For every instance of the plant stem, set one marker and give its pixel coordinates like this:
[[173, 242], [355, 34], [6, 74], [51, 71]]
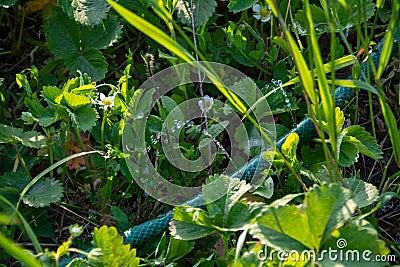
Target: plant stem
[[50, 148], [103, 123], [225, 239], [78, 135], [66, 148], [21, 160], [21, 29]]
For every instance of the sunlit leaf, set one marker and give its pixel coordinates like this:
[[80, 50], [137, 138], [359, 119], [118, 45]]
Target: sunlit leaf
[[348, 153], [325, 209], [364, 193], [368, 145], [355, 238], [191, 223], [76, 101], [90, 12], [114, 252]]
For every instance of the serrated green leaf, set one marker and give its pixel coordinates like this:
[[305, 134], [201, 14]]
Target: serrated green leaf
[[90, 12], [10, 193], [47, 117], [67, 8], [202, 9], [14, 179], [101, 36], [358, 236], [79, 45], [289, 147], [90, 61], [229, 191], [62, 35], [84, 118], [52, 94], [177, 249], [43, 193], [364, 193], [76, 101], [239, 5], [84, 89], [354, 140], [348, 153], [325, 209], [191, 223], [71, 84], [115, 253], [239, 216], [368, 145], [7, 132], [22, 81], [266, 189], [33, 139], [340, 119]]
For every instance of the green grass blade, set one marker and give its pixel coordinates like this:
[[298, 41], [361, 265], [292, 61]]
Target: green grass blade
[[324, 89], [394, 133], [14, 250], [152, 31], [26, 225], [388, 45], [304, 72], [355, 84], [301, 65], [388, 115], [338, 64]]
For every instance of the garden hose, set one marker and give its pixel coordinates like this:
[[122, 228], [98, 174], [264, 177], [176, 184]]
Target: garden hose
[[141, 234]]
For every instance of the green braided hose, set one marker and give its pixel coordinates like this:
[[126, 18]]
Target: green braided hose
[[141, 234]]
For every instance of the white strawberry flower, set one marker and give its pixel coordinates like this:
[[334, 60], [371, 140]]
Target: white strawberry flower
[[107, 101], [262, 13], [206, 103]]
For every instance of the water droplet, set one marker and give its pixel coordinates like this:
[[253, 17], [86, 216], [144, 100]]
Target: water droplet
[[139, 115]]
